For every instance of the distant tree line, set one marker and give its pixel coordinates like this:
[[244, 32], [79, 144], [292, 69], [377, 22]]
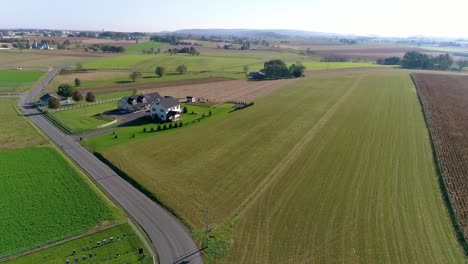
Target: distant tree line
[[417, 60], [348, 41], [389, 61], [334, 58], [192, 51], [105, 48], [171, 39]]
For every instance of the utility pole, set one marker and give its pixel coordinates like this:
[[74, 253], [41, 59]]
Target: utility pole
[[207, 230]]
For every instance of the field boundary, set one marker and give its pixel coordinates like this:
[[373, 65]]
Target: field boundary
[[442, 185], [295, 151]]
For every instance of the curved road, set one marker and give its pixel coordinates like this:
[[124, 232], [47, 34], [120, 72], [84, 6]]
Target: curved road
[[171, 240]]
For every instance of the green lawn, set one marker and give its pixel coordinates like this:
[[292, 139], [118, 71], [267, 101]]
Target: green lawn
[[138, 48], [125, 135], [84, 118], [18, 81], [126, 248], [44, 199], [334, 169], [15, 130]]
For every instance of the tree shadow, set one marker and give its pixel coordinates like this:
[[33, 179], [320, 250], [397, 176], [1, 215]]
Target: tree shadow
[[123, 82]]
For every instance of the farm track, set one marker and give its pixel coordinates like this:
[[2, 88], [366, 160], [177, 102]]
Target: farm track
[[445, 102], [171, 240], [297, 150]]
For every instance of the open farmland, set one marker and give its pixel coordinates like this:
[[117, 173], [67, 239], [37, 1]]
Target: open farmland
[[122, 244], [18, 81], [15, 131], [445, 102], [38, 60], [334, 168], [45, 201]]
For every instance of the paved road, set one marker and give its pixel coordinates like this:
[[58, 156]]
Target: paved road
[[171, 240]]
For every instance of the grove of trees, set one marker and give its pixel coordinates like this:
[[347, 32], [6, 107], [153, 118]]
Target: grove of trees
[[417, 60], [181, 69], [275, 69]]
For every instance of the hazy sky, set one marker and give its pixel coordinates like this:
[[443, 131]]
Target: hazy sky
[[388, 18]]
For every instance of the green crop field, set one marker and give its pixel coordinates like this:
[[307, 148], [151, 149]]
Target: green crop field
[[334, 169], [124, 249], [138, 48], [18, 81], [15, 131], [211, 61], [44, 199], [134, 132], [84, 118]]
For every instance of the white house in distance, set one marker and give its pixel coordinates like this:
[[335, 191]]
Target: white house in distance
[[137, 103], [166, 109]]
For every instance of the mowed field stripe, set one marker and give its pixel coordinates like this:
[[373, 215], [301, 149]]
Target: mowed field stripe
[[364, 190], [289, 158]]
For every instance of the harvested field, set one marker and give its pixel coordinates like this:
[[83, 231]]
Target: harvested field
[[237, 90], [445, 102]]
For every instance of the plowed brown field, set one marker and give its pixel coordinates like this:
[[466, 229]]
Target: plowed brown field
[[237, 90], [445, 103]]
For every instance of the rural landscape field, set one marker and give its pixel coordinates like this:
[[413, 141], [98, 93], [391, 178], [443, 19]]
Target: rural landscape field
[[179, 133]]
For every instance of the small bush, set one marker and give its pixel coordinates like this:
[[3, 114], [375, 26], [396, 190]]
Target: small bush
[[159, 128], [152, 129], [164, 127], [144, 130]]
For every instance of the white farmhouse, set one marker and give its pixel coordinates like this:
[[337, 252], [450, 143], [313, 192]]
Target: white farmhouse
[[166, 109]]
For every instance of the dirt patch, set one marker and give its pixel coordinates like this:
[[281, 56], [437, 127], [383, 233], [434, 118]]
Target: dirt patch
[[233, 90], [445, 102]]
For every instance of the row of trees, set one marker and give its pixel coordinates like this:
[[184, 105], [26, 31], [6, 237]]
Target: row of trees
[[171, 39], [159, 71], [389, 61], [275, 69], [192, 51]]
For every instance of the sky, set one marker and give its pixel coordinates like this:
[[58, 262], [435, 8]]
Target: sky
[[360, 17]]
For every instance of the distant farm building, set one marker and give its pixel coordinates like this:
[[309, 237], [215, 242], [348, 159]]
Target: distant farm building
[[257, 75], [191, 99], [166, 109], [137, 103], [44, 100], [40, 45]]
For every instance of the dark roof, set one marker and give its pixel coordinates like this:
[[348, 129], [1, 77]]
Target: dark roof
[[47, 96], [142, 100], [172, 113], [168, 102]]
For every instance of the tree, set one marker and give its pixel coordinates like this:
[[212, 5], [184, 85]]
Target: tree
[[77, 96], [65, 90], [90, 97], [462, 64], [185, 110], [275, 69], [77, 82], [297, 70], [245, 69], [54, 103], [78, 66], [135, 75], [181, 69], [160, 71]]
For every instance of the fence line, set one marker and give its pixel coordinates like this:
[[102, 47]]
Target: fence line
[[76, 106]]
